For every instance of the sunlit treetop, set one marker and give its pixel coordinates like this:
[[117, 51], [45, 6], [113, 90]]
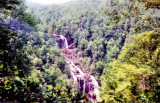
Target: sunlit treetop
[[151, 3]]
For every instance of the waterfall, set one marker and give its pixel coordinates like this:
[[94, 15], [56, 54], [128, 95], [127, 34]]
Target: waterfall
[[96, 90], [80, 71], [80, 76], [72, 68], [74, 77], [66, 43], [61, 41], [86, 82]]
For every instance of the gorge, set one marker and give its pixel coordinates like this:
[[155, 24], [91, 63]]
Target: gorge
[[87, 83]]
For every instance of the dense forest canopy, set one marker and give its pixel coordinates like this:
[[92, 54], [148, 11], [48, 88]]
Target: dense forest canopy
[[119, 42], [98, 29]]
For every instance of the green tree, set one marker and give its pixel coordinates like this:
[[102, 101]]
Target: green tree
[[15, 66], [151, 3], [83, 44], [132, 77], [51, 26], [99, 67], [144, 50]]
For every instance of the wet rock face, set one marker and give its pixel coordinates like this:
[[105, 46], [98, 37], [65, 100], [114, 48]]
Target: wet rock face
[[69, 39], [61, 41]]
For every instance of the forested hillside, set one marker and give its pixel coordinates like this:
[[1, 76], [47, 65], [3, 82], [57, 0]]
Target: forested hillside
[[118, 42], [98, 28], [31, 67]]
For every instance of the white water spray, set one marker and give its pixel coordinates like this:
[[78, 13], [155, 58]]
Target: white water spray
[[66, 43], [74, 77], [96, 90]]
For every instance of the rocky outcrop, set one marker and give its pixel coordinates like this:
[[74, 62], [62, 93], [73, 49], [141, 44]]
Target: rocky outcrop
[[61, 41]]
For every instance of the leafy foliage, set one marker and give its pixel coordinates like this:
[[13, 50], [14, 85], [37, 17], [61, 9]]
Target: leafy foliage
[[145, 50], [132, 77], [31, 67], [151, 3], [15, 65]]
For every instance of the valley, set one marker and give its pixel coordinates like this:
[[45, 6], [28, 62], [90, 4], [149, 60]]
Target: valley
[[80, 51]]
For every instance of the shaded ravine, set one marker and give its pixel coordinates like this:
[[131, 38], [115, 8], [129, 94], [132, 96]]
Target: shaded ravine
[[87, 83]]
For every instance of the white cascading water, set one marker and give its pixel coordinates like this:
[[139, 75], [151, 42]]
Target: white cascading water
[[96, 90], [74, 77], [62, 41], [66, 43], [78, 75], [80, 71], [72, 68]]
